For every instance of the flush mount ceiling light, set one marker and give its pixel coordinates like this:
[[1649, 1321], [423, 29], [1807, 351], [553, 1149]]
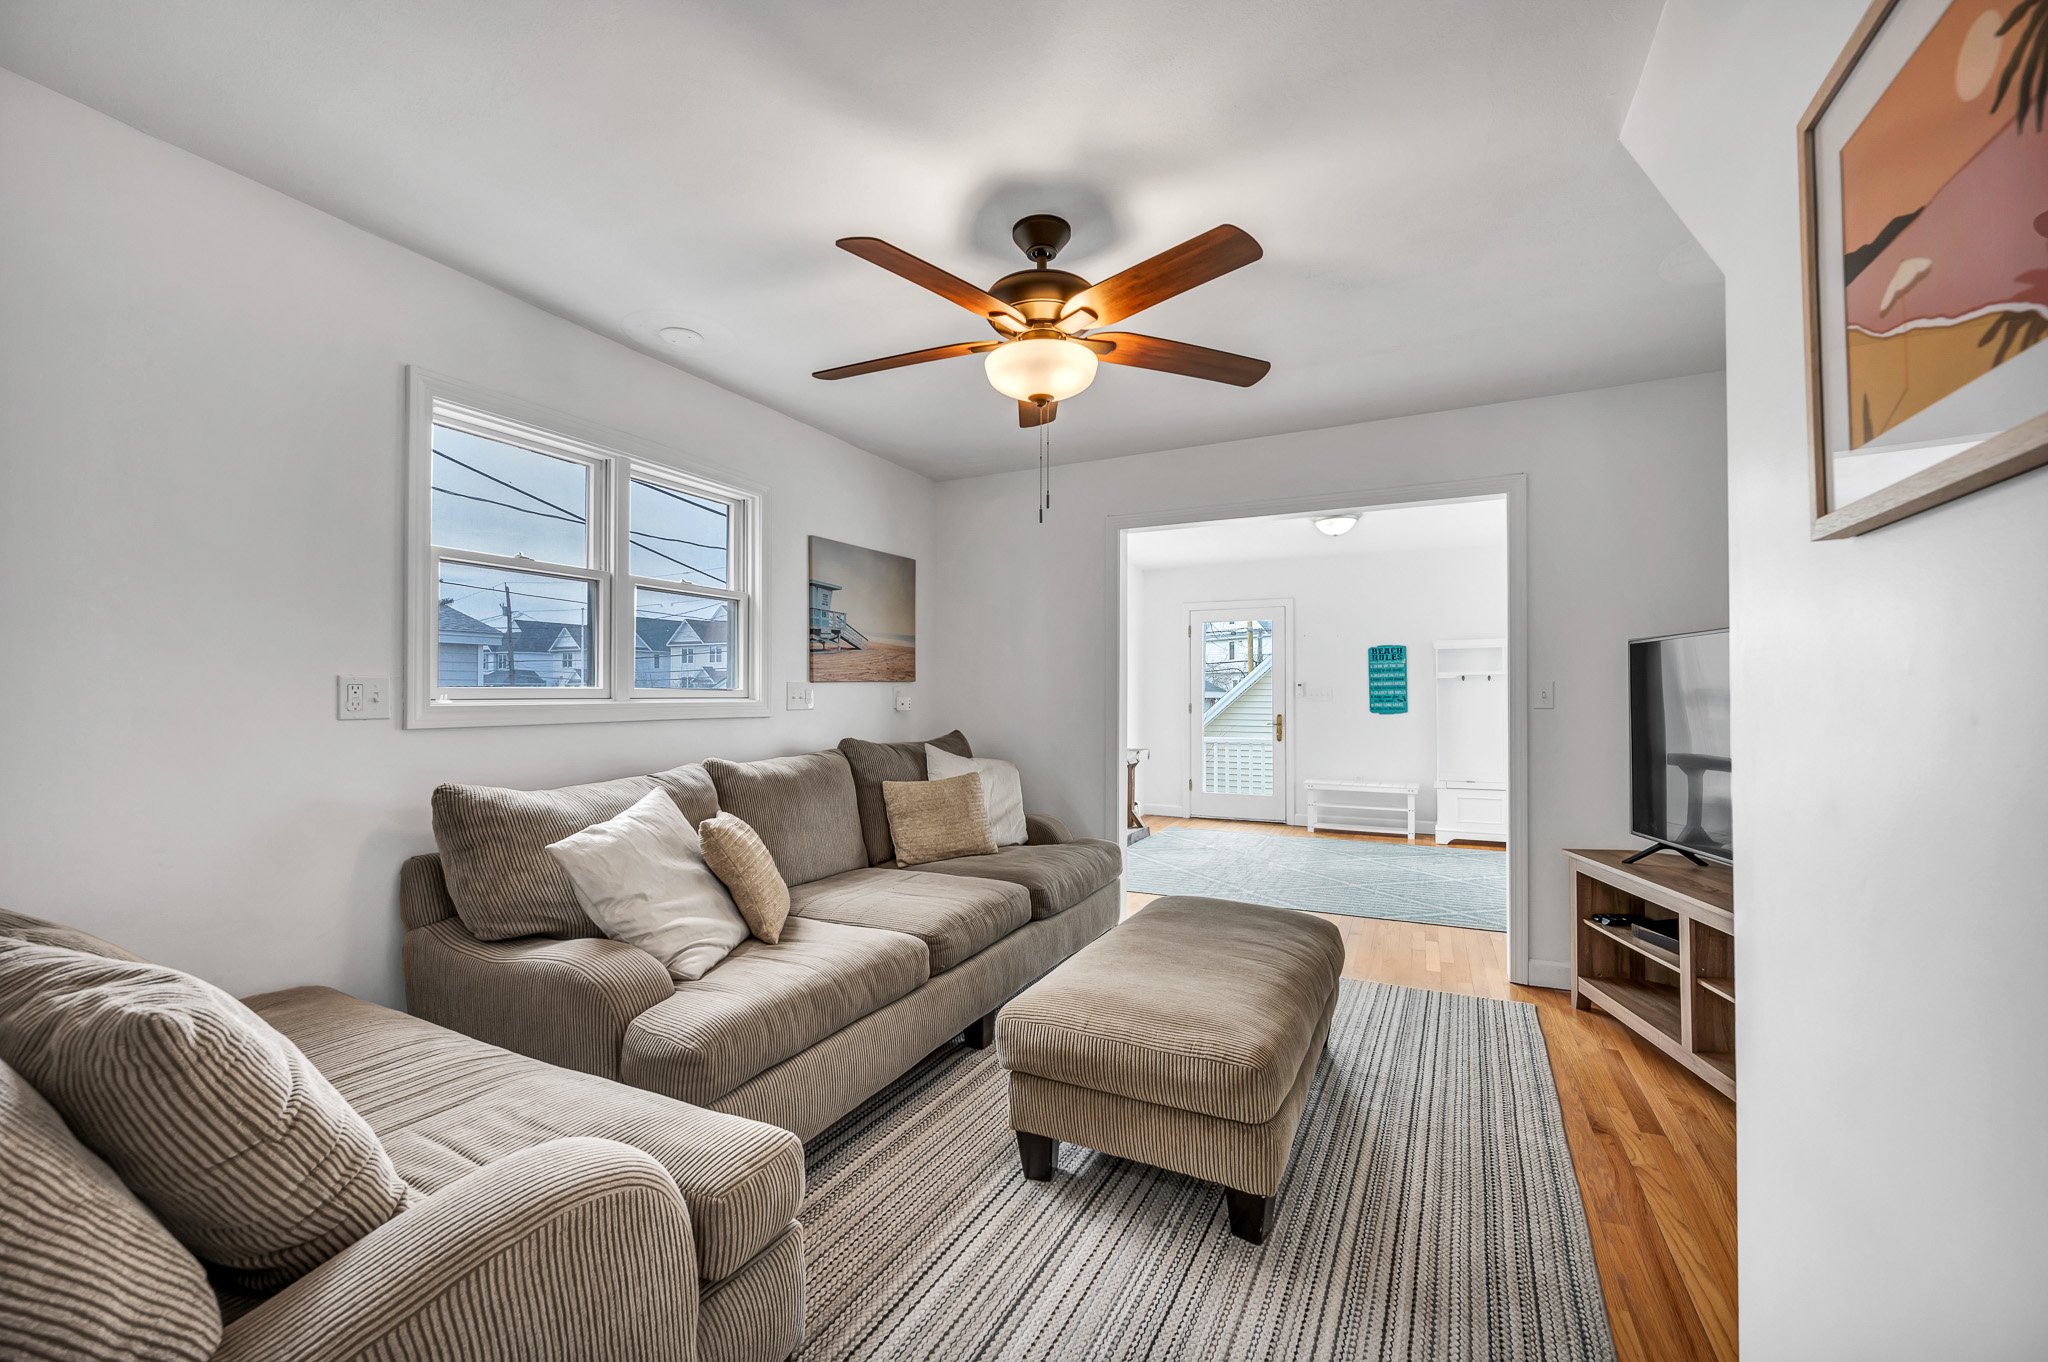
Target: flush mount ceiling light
[[1334, 525], [680, 335], [1045, 318]]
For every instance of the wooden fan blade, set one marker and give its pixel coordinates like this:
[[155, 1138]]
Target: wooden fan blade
[[1208, 256], [927, 275], [1031, 416], [875, 366], [1178, 357]]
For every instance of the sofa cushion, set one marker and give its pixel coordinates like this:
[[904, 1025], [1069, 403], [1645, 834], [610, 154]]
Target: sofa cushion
[[445, 1105], [739, 858], [803, 808], [242, 1148], [955, 917], [1057, 876], [763, 1004], [86, 1271], [694, 793], [22, 927], [937, 820], [875, 762], [494, 853], [641, 877]]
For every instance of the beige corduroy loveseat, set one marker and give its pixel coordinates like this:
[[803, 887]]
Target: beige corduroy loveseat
[[876, 967], [305, 1177]]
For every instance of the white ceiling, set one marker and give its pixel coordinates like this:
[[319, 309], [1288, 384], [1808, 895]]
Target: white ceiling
[[1478, 523], [1447, 216]]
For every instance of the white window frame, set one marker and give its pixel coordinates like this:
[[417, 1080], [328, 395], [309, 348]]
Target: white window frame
[[615, 461]]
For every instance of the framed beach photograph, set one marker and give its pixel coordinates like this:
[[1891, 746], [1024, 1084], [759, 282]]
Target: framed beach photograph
[[1924, 173], [863, 613]]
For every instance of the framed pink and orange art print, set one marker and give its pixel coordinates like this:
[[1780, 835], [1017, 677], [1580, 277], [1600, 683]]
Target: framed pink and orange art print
[[1924, 171]]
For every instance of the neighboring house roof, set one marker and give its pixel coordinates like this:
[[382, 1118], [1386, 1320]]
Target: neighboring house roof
[[522, 677], [541, 636], [656, 635], [453, 621], [1238, 691], [829, 586]]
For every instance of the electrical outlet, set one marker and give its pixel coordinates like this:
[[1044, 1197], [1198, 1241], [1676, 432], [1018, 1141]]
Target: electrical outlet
[[902, 700], [799, 695], [362, 697], [1546, 695]]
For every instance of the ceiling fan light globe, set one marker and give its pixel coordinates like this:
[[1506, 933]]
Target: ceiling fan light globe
[[1027, 370], [1334, 525]]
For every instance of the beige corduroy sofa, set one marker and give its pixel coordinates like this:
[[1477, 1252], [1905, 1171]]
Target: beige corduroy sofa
[[546, 1214], [876, 968]]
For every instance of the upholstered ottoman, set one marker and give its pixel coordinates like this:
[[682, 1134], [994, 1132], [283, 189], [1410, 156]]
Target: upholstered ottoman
[[1184, 1038]]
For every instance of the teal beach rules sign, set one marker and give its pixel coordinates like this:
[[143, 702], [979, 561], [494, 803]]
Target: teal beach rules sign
[[1386, 666]]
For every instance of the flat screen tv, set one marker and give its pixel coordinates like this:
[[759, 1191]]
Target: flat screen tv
[[1678, 744]]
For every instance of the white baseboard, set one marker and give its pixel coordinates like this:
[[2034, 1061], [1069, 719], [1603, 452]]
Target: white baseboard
[[1163, 810], [1550, 974]]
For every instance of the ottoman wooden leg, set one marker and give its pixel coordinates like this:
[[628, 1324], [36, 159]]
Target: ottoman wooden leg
[[1250, 1216], [981, 1032], [1040, 1153]]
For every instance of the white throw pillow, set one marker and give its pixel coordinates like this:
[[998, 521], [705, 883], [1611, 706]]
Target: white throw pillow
[[1002, 789], [642, 879]]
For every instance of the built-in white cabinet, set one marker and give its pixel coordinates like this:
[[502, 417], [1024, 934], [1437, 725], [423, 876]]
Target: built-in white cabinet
[[1471, 739]]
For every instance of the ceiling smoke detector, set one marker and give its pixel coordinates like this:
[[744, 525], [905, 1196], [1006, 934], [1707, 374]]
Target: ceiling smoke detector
[[1334, 525], [681, 335]]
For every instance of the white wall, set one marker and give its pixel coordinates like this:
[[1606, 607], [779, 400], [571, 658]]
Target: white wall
[[1342, 606], [201, 497], [1627, 537], [1892, 887]]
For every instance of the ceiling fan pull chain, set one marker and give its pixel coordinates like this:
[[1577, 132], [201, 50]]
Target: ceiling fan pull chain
[[1042, 497]]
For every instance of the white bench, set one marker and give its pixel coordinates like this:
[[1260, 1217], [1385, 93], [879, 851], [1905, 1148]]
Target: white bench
[[1395, 794]]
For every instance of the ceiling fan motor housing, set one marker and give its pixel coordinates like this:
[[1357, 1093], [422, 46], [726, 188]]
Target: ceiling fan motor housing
[[1038, 295]]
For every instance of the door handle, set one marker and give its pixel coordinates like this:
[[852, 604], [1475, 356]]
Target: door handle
[[1279, 728]]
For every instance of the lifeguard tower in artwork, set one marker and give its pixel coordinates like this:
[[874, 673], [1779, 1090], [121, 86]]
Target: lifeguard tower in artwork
[[830, 633]]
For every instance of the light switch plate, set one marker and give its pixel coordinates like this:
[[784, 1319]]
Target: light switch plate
[[1546, 695], [799, 695], [902, 700], [362, 697]]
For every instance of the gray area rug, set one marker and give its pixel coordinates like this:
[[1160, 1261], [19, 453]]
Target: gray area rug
[[1429, 1212], [1444, 886]]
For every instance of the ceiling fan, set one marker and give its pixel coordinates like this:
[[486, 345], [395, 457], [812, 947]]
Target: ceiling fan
[[1045, 318]]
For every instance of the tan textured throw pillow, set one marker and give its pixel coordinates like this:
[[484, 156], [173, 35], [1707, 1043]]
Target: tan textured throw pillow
[[737, 856], [213, 1118], [937, 820]]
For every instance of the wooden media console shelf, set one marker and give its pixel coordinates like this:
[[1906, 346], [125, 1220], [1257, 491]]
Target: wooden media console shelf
[[1682, 1002]]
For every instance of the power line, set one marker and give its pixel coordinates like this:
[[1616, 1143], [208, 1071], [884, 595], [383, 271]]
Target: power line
[[713, 507], [523, 510], [502, 483]]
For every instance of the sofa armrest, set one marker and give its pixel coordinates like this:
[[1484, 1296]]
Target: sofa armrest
[[1043, 830], [573, 1249], [567, 1002]]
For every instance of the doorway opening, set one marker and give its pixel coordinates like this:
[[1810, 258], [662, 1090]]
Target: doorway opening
[[1325, 721]]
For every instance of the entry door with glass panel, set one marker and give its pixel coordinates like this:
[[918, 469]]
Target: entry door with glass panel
[[1237, 713]]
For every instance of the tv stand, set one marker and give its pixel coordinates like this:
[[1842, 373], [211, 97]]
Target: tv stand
[[1664, 846], [1682, 1002]]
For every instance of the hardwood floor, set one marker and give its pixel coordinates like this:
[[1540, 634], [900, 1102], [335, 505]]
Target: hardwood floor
[[1653, 1147]]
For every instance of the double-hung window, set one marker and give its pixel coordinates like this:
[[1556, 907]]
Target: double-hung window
[[580, 563]]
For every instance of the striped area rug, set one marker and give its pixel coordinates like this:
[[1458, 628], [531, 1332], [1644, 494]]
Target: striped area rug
[[1443, 886], [1430, 1212]]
